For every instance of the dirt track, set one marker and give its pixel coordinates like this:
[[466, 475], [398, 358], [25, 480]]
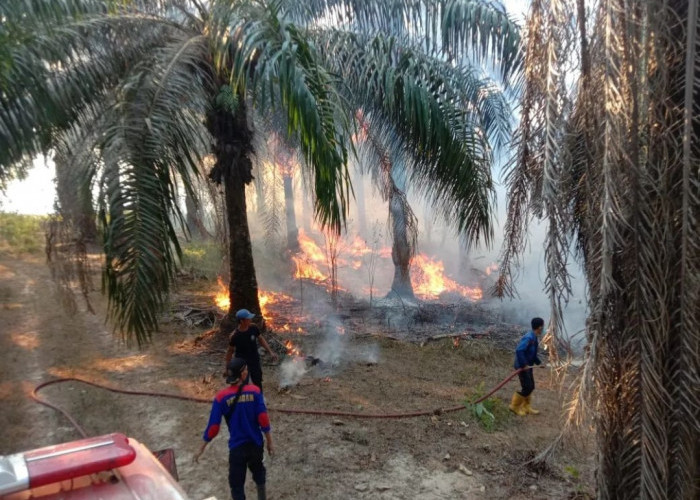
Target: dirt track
[[317, 457]]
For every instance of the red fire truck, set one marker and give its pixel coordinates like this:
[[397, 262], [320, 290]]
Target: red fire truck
[[110, 467]]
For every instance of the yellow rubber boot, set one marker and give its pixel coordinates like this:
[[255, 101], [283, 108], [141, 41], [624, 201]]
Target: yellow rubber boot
[[529, 409], [516, 404]]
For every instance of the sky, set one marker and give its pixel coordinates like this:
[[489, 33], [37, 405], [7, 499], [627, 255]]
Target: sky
[[34, 195]]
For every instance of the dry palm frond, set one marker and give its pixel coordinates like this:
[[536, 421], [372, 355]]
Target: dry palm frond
[[536, 174], [628, 191]]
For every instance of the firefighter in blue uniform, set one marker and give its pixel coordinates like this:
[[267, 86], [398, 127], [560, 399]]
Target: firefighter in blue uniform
[[526, 357], [243, 407]]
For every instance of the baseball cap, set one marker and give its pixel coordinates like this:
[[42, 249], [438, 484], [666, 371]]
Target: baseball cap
[[234, 369], [244, 314]]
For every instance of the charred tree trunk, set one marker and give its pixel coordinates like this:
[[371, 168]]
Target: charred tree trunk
[[233, 168], [292, 230]]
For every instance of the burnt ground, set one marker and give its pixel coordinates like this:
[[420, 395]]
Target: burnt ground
[[381, 364]]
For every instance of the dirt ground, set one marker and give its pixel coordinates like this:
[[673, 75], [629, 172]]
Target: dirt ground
[[443, 456]]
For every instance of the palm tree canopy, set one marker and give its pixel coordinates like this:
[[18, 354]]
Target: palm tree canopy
[[133, 80]]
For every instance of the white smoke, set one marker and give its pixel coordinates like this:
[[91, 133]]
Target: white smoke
[[366, 354], [291, 371], [334, 342]]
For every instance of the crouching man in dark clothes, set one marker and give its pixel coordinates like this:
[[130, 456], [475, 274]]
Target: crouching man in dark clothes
[[525, 357], [243, 408]]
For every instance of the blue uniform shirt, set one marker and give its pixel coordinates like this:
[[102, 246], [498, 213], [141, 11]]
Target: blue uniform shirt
[[526, 352], [248, 420]]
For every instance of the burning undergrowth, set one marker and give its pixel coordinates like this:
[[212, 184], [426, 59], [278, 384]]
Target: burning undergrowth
[[318, 339], [314, 319], [328, 348]]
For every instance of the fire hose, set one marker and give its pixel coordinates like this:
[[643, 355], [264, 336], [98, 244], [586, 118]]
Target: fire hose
[[328, 413]]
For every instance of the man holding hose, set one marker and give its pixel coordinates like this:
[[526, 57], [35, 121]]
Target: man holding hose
[[526, 357]]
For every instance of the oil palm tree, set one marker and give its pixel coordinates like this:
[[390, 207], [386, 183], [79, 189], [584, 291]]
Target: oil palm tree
[[167, 82], [395, 168], [615, 171]]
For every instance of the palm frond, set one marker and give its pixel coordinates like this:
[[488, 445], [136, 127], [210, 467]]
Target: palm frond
[[157, 132], [468, 30], [436, 112], [273, 202], [685, 372], [60, 62], [280, 67]]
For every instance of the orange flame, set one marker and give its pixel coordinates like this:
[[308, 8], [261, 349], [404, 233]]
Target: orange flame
[[292, 350], [307, 263], [491, 269], [429, 280], [307, 270], [268, 299], [221, 299]]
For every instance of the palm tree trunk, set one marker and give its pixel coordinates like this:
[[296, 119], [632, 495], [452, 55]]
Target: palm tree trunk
[[645, 322], [75, 199], [359, 187], [194, 218], [233, 168], [292, 230], [401, 253], [307, 213]]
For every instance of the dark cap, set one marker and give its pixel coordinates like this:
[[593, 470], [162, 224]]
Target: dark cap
[[234, 369]]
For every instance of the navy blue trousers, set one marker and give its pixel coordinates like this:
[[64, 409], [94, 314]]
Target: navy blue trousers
[[527, 382]]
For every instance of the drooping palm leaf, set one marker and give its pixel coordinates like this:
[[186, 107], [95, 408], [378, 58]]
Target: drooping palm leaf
[[154, 137], [476, 29], [286, 72], [441, 114]]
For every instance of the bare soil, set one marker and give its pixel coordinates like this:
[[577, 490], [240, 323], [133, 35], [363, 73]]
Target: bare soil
[[444, 456]]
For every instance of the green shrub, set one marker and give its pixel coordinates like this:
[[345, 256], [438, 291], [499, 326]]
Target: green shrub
[[21, 233], [572, 471], [491, 413], [202, 257]]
